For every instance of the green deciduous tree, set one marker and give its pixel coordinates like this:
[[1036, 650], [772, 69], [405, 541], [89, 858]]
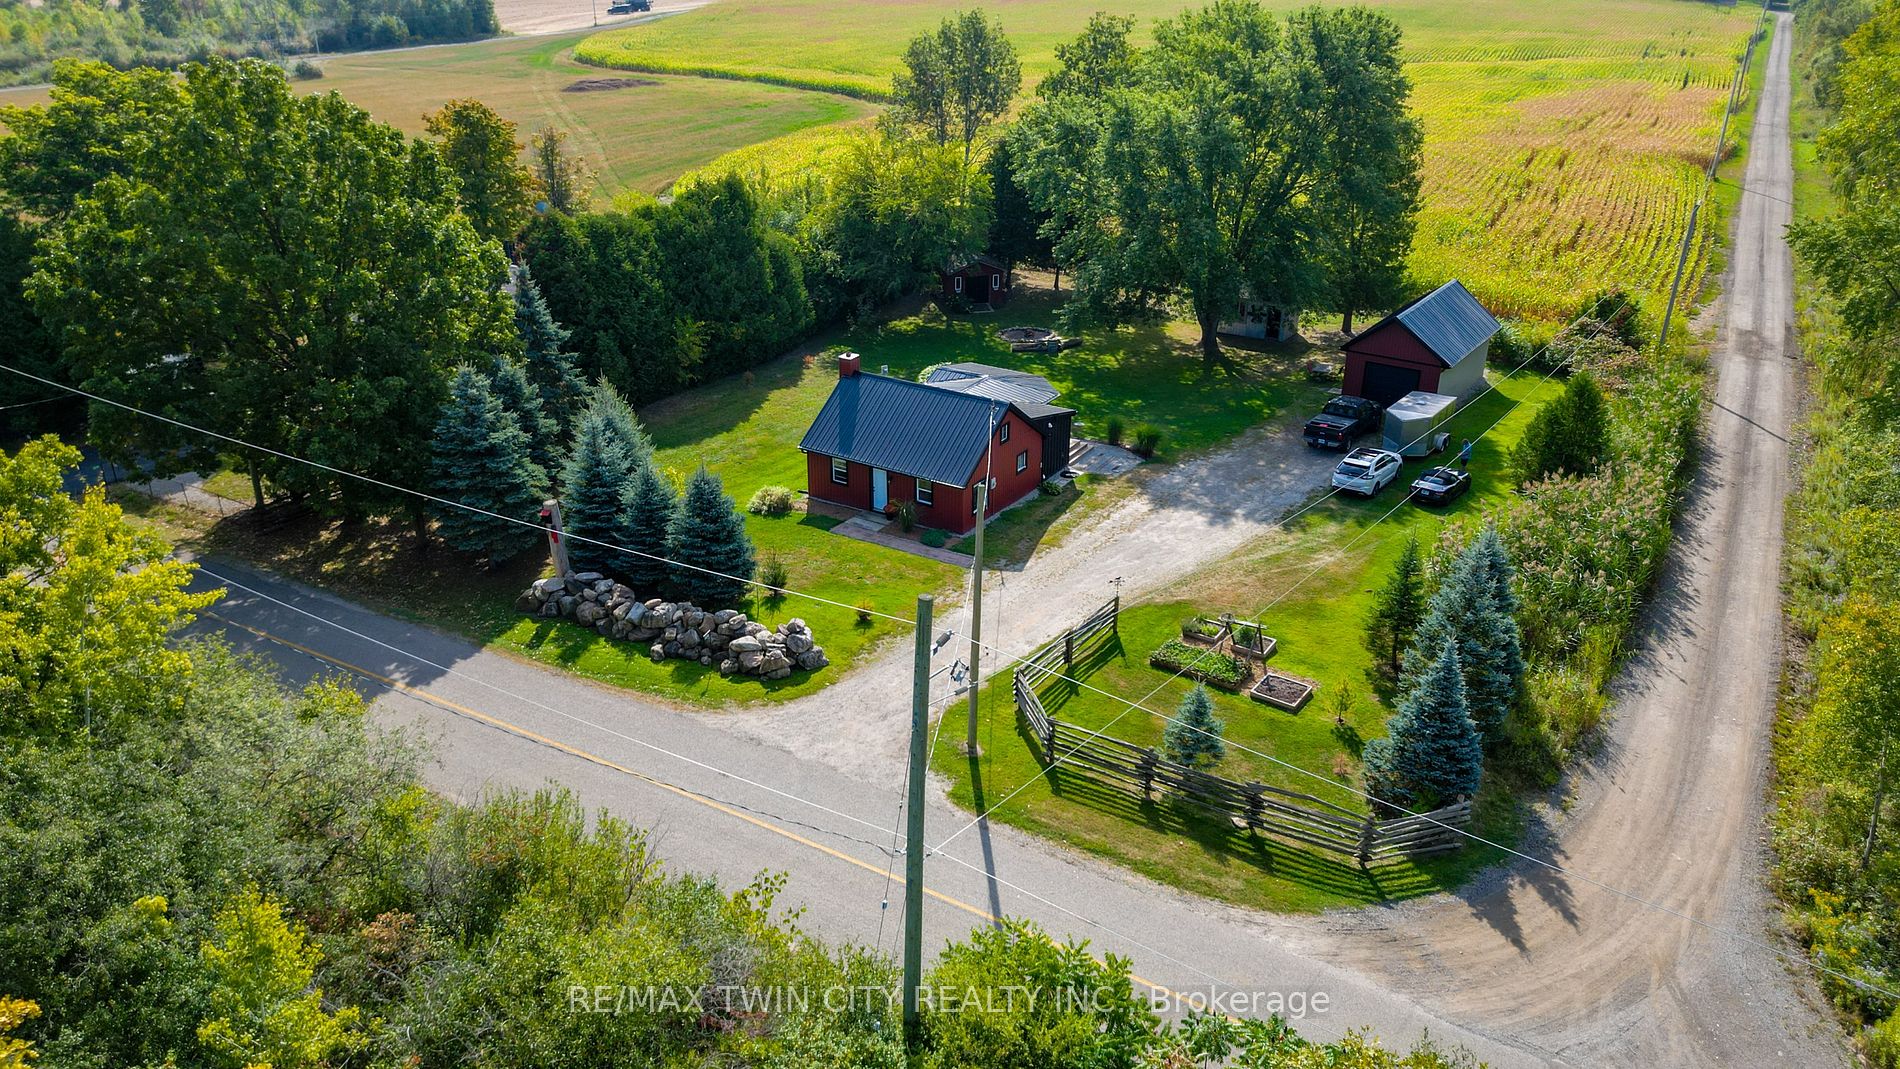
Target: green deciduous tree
[[1432, 751], [895, 211], [283, 269], [1069, 1009], [712, 554], [265, 1011], [483, 459], [646, 518], [958, 80], [1397, 611], [1569, 435], [1100, 59], [1368, 207], [88, 606], [480, 149], [559, 177], [1203, 178], [1193, 737], [89, 128]]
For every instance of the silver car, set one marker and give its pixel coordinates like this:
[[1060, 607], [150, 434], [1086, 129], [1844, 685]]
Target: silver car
[[1367, 471]]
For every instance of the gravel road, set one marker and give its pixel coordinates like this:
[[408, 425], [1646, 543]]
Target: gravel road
[[1672, 809]]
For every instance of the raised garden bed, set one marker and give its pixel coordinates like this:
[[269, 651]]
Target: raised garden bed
[[1217, 670], [1247, 639], [1282, 691]]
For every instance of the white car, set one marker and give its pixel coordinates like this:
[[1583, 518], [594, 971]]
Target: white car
[[1367, 471]]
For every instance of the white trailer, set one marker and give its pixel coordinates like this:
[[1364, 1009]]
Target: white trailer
[[1414, 423]]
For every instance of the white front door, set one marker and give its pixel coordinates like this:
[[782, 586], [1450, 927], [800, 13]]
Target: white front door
[[880, 489]]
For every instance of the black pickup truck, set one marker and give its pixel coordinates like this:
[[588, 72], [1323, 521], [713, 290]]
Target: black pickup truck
[[1342, 420]]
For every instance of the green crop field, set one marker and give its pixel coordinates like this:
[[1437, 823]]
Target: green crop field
[[1563, 139], [638, 137]]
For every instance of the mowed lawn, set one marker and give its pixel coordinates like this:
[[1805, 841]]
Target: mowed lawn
[[1563, 138], [1311, 585]]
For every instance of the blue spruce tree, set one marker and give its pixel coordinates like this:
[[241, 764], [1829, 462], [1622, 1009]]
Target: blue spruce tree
[[553, 371], [645, 518], [1468, 613], [1193, 737], [480, 457], [1432, 752], [712, 554], [594, 482], [520, 396], [604, 403]]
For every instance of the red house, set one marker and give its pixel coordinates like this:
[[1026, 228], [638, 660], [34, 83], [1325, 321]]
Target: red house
[[1437, 343], [880, 441], [977, 279]]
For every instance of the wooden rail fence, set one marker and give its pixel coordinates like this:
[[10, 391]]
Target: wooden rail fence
[[1253, 807]]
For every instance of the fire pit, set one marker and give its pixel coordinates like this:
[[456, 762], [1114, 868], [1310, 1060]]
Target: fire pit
[[1032, 339]]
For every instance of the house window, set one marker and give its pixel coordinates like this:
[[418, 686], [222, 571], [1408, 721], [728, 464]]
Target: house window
[[959, 284], [1022, 462], [840, 471], [996, 281], [926, 493], [1003, 434]]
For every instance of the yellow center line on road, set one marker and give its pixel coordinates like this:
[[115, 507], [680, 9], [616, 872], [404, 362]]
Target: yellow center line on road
[[593, 758]]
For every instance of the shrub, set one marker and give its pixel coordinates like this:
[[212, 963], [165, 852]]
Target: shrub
[[770, 501], [934, 538], [1883, 1043], [1618, 309], [906, 516], [1050, 487], [772, 573], [865, 612], [1569, 435], [305, 70], [1147, 439], [1113, 430]]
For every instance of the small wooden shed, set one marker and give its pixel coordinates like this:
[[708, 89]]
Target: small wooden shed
[[979, 279]]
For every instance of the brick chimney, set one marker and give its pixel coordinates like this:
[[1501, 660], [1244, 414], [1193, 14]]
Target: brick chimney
[[848, 364]]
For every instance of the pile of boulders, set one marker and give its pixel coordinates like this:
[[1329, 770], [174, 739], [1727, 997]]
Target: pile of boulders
[[677, 629]]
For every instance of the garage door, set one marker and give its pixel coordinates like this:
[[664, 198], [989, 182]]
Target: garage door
[[1384, 383]]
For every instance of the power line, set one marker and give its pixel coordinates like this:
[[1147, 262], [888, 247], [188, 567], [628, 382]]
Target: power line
[[434, 499], [583, 721], [228, 581], [1199, 657]]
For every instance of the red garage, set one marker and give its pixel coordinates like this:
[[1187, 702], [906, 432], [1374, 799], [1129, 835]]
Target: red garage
[[880, 441], [1437, 343]]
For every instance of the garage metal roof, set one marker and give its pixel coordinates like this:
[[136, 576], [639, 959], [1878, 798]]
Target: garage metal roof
[[1450, 321], [908, 427], [987, 380]]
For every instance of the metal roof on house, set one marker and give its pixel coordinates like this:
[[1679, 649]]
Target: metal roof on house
[[912, 428], [1448, 320], [987, 380]]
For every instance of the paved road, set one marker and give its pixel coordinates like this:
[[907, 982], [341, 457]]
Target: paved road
[[1672, 811], [498, 722], [1525, 968]]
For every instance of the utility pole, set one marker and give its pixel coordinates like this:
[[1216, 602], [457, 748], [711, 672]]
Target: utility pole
[[976, 611], [914, 824]]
